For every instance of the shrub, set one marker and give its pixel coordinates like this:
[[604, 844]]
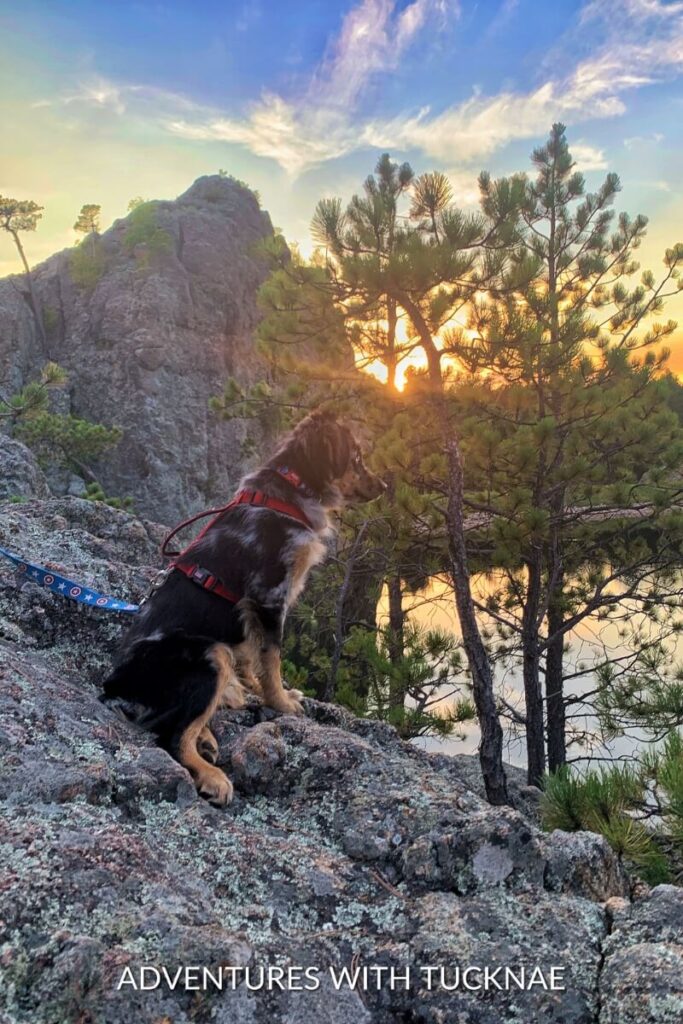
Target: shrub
[[143, 230], [65, 440], [637, 810], [87, 264], [95, 492]]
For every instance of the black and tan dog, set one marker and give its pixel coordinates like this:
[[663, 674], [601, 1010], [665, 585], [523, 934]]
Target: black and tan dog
[[215, 624]]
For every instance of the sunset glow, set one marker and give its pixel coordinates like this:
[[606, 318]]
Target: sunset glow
[[298, 100]]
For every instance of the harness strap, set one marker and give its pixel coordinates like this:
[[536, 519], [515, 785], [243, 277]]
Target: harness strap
[[285, 508], [207, 581], [165, 553], [197, 573], [246, 497]]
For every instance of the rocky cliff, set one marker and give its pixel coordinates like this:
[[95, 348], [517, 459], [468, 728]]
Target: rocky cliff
[[148, 330], [344, 847]]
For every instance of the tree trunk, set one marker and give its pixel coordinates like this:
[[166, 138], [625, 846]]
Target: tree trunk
[[555, 711], [491, 745], [533, 697], [391, 358], [37, 312], [364, 591], [339, 631], [554, 682], [396, 623]]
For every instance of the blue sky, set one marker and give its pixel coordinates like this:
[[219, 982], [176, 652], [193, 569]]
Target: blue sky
[[104, 101]]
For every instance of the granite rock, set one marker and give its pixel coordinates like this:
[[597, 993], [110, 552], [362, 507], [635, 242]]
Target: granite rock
[[148, 340], [344, 847]]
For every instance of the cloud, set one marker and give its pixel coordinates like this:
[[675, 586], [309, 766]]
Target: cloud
[[595, 88], [636, 141], [645, 46], [465, 185], [481, 125], [97, 92], [373, 38], [637, 10], [324, 121], [588, 158], [296, 139]]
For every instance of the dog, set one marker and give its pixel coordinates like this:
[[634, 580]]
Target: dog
[[214, 627]]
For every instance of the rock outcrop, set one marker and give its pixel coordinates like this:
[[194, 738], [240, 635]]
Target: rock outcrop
[[344, 848], [20, 475], [148, 332]]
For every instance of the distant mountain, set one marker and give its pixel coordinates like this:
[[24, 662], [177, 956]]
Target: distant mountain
[[148, 320]]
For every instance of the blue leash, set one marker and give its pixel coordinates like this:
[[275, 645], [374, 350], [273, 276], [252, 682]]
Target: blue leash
[[67, 588]]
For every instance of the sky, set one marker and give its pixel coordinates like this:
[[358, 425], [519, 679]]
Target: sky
[[102, 102]]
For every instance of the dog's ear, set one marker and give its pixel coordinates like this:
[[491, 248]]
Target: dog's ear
[[326, 444], [322, 416], [338, 443]]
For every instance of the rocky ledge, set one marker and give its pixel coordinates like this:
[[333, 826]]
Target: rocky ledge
[[344, 848]]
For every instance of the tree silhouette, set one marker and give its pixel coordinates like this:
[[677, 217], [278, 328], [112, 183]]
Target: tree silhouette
[[17, 215]]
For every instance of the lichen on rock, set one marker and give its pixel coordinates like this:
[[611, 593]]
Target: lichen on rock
[[344, 847]]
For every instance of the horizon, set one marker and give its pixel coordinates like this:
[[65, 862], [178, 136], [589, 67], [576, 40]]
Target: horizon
[[102, 104]]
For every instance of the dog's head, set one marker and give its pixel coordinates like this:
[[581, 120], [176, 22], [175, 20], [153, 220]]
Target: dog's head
[[329, 458]]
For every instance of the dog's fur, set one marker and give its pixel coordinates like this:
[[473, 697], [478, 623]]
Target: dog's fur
[[190, 650]]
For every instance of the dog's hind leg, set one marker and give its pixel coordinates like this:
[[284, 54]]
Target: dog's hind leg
[[234, 695], [206, 695]]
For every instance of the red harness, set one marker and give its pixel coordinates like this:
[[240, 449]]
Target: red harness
[[202, 577]]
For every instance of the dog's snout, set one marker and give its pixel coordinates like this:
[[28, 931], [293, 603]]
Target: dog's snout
[[373, 486]]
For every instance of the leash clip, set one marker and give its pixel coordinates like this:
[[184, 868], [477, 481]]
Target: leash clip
[[157, 582]]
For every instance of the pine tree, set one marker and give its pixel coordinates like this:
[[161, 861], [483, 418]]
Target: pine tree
[[56, 439], [378, 267], [638, 809], [429, 270], [88, 223], [17, 215], [572, 447]]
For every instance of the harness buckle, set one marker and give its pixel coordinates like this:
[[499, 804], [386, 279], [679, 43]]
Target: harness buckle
[[204, 578]]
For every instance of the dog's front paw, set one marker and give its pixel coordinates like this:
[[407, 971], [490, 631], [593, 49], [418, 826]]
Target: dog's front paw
[[214, 786], [288, 703], [207, 745]]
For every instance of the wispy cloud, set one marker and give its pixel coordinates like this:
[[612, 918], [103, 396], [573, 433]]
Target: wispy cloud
[[96, 92], [637, 141], [646, 46], [595, 88], [102, 94], [636, 10], [320, 125], [325, 120]]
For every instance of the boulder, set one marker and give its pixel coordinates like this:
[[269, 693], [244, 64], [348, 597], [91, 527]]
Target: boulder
[[345, 849], [20, 475], [642, 978], [585, 864]]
